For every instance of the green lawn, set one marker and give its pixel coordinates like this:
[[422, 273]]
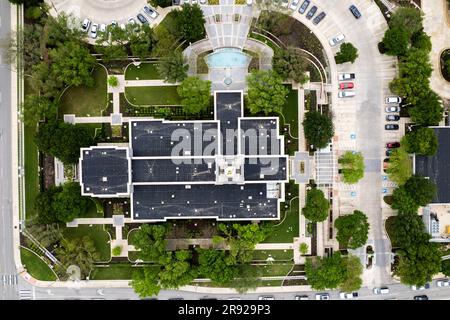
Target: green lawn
[[86, 101], [290, 111], [165, 95], [167, 23], [114, 271], [96, 233], [275, 254], [272, 270], [92, 211], [94, 128], [145, 71], [35, 266]]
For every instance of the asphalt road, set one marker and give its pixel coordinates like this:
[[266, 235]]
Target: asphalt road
[[8, 281]]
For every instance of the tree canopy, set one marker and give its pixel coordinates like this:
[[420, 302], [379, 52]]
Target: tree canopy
[[347, 53], [190, 22], [195, 94], [408, 229], [351, 166], [173, 68], [318, 129], [317, 207], [400, 166], [145, 281], [214, 265], [446, 267], [36, 108], [427, 110], [266, 92], [396, 41], [403, 201], [326, 273], [421, 189], [63, 140], [422, 141], [176, 269], [290, 64], [150, 239], [421, 40], [352, 229], [69, 203], [407, 18], [354, 270]]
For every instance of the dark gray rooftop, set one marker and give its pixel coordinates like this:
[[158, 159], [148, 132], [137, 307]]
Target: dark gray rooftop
[[228, 110], [259, 137], [437, 167], [105, 171], [165, 170], [265, 169], [229, 201], [157, 138]]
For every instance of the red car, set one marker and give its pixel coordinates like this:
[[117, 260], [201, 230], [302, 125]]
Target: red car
[[346, 85], [393, 145]]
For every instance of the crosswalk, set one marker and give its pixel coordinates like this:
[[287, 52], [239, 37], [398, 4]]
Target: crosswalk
[[9, 279]]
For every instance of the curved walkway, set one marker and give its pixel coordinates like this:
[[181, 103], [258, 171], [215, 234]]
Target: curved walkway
[[436, 25]]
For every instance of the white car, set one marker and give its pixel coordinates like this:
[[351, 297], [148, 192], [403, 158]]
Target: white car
[[102, 28], [85, 25], [294, 4], [346, 76], [348, 295], [346, 94], [392, 109], [302, 297], [284, 3], [442, 283], [94, 30], [202, 1], [382, 290], [249, 2], [336, 40], [322, 296], [151, 12], [426, 286], [393, 99], [266, 298]]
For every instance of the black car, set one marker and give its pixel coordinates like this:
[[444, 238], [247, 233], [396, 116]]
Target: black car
[[422, 297], [311, 12], [304, 6], [319, 17], [392, 117], [389, 152], [391, 126], [142, 18], [354, 10]]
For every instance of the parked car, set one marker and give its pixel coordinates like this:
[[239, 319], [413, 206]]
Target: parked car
[[393, 99], [304, 6], [392, 109], [205, 2], [102, 28], [249, 2], [336, 40], [294, 4], [266, 298], [391, 126], [422, 297], [393, 145], [442, 283], [346, 85], [193, 1], [426, 286], [284, 3], [382, 290], [302, 297], [114, 23], [392, 117], [322, 296], [141, 18], [122, 26], [311, 12], [346, 76], [389, 152], [94, 29], [354, 10], [348, 295], [131, 21], [151, 12], [319, 18], [346, 94], [85, 25]]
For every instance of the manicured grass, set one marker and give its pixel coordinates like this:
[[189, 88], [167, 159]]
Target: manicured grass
[[275, 254], [35, 266], [168, 23], [144, 71], [272, 270], [97, 234], [153, 95], [290, 111], [114, 271], [86, 101], [94, 128]]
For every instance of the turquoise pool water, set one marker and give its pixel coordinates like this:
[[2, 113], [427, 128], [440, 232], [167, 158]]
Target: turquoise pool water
[[228, 58]]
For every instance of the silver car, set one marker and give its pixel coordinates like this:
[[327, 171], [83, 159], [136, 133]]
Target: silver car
[[391, 109], [94, 30]]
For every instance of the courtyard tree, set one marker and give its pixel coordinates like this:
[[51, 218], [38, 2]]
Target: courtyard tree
[[396, 41], [317, 206], [403, 201], [213, 264], [173, 67], [351, 166], [80, 252], [247, 278], [63, 140], [400, 166], [303, 249], [266, 92], [48, 235], [291, 64], [43, 205], [150, 239], [160, 3], [354, 270], [318, 129], [36, 108], [195, 94], [190, 22], [422, 141], [69, 203], [352, 230], [326, 273], [407, 18], [427, 110], [176, 269], [145, 281], [446, 267], [421, 189], [141, 40], [347, 53], [421, 40], [408, 229]]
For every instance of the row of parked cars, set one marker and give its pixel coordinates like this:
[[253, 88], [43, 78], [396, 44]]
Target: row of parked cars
[[392, 109], [95, 28], [345, 85], [311, 12]]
